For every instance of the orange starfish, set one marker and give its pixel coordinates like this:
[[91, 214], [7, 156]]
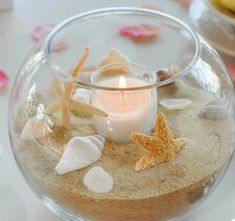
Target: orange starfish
[[65, 102], [162, 147]]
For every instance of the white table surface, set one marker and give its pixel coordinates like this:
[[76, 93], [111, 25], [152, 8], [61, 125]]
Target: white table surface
[[17, 202]]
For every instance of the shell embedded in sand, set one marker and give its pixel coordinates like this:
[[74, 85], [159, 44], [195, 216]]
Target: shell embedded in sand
[[36, 128], [80, 152], [98, 180], [213, 112], [175, 103]]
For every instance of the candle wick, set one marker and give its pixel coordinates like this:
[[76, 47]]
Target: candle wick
[[123, 93]]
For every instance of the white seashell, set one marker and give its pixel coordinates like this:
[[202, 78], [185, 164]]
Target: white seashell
[[175, 103], [83, 95], [35, 128], [80, 152], [98, 180], [114, 56]]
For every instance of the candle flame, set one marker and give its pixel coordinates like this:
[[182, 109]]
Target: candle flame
[[122, 82]]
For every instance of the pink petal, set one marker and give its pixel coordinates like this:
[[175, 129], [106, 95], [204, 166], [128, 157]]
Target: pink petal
[[152, 6], [140, 32], [231, 71], [185, 3], [4, 80], [41, 31], [60, 46], [89, 68]]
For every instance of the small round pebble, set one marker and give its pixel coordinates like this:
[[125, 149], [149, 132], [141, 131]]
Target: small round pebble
[[98, 180]]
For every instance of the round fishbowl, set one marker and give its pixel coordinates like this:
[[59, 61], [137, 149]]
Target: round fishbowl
[[133, 120], [215, 20]]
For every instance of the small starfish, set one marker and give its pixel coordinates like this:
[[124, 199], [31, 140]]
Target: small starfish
[[162, 147], [65, 102]]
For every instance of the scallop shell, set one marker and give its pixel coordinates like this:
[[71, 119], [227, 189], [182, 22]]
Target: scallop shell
[[98, 180], [80, 152], [175, 103]]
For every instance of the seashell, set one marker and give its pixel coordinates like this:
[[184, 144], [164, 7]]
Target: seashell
[[140, 32], [80, 152], [98, 180], [175, 103], [174, 69], [213, 112], [114, 56], [83, 95], [40, 31], [35, 128], [4, 80], [163, 74]]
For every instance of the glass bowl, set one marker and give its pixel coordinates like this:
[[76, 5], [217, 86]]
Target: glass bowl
[[142, 129], [214, 23]]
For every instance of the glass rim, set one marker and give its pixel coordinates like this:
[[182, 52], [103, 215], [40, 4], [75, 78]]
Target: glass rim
[[57, 70], [147, 86]]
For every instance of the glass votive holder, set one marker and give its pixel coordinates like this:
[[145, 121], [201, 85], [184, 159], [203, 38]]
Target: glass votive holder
[[127, 93]]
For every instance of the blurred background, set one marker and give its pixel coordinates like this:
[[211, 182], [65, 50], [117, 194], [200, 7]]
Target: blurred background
[[22, 24]]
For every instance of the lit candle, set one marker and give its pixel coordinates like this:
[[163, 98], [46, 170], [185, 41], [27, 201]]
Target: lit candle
[[128, 111]]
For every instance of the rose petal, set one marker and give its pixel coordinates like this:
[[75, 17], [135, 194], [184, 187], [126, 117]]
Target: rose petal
[[185, 3], [140, 32], [152, 7], [41, 31], [4, 80], [60, 46], [89, 68], [231, 71]]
